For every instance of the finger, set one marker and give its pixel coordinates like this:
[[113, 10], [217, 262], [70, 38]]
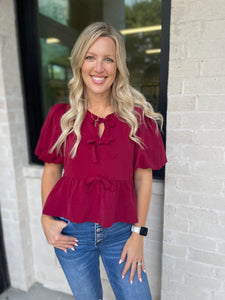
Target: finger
[[139, 268], [125, 269], [132, 271], [123, 256]]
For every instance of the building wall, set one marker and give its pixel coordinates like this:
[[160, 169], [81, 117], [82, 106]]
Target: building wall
[[194, 211], [13, 156], [29, 257]]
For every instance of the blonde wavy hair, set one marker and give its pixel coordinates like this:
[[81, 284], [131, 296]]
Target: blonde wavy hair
[[124, 98]]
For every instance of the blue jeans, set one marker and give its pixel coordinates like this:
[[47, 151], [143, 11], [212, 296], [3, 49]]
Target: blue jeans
[[81, 266]]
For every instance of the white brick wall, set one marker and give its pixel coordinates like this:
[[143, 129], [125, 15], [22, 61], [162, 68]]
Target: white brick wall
[[13, 155], [194, 210]]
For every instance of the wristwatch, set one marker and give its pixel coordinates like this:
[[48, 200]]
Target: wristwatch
[[140, 230]]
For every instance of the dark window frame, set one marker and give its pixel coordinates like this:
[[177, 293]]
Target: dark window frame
[[30, 62]]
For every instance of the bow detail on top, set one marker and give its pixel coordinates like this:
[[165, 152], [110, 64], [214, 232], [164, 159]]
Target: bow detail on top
[[105, 183], [97, 142]]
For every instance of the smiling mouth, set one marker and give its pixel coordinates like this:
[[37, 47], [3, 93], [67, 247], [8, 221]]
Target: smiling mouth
[[98, 79]]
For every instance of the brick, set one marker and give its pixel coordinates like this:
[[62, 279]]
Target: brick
[[178, 11], [202, 282], [208, 258], [196, 268], [174, 120], [180, 136], [181, 103], [213, 30], [207, 229], [200, 184], [176, 196], [178, 68], [211, 103], [203, 120], [174, 250], [212, 67], [208, 201], [204, 49], [175, 87], [178, 51], [202, 153], [176, 223], [185, 32], [179, 168], [210, 137], [205, 10], [191, 213], [196, 242], [200, 85], [209, 168]]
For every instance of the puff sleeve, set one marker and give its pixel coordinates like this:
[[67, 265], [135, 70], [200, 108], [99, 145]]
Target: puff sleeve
[[153, 154], [50, 132]]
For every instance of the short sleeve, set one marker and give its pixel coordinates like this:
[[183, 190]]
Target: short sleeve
[[152, 155], [50, 132]]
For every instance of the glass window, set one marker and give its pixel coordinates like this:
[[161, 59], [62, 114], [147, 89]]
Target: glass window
[[61, 21], [47, 31]]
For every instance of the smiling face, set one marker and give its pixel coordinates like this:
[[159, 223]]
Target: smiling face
[[99, 67]]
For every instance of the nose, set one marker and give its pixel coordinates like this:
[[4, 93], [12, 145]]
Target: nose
[[99, 68]]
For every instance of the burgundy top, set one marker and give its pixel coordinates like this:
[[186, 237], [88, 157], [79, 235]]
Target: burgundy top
[[97, 185]]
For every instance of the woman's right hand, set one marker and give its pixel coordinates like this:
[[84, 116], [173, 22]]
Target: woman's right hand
[[52, 229]]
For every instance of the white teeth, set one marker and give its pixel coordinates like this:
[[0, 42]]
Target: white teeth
[[98, 78]]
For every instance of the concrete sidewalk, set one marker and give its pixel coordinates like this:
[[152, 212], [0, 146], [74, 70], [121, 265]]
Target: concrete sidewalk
[[36, 292]]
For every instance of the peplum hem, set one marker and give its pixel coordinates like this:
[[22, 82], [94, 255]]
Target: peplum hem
[[95, 199]]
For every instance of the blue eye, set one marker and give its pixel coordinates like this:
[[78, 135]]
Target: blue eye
[[109, 59], [89, 57]]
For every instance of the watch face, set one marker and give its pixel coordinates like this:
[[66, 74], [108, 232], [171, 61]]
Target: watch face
[[144, 231]]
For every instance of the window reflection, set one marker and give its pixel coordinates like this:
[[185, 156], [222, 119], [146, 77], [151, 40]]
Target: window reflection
[[61, 21]]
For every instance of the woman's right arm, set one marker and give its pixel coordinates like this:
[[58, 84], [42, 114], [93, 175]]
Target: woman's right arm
[[53, 228]]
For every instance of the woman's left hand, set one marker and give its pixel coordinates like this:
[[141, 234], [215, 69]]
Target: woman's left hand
[[133, 253]]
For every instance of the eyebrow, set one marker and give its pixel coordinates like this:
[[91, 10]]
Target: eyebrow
[[92, 53]]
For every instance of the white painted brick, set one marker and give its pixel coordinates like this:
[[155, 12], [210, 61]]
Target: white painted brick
[[209, 258], [204, 85], [207, 229], [177, 51], [196, 268], [178, 11], [183, 32], [196, 242], [205, 10], [174, 120], [175, 250], [202, 153], [188, 67], [221, 247], [191, 213], [211, 103], [209, 169], [182, 103], [208, 201], [213, 30], [212, 67], [179, 168], [176, 196], [180, 136], [210, 137], [197, 282], [203, 120], [176, 223], [204, 49], [175, 87], [201, 184]]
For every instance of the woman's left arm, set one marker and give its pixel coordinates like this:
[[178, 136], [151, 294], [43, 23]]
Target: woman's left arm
[[133, 249]]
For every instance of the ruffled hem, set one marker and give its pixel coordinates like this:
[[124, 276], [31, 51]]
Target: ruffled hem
[[95, 199]]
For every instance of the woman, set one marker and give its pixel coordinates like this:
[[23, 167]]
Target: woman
[[108, 142]]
